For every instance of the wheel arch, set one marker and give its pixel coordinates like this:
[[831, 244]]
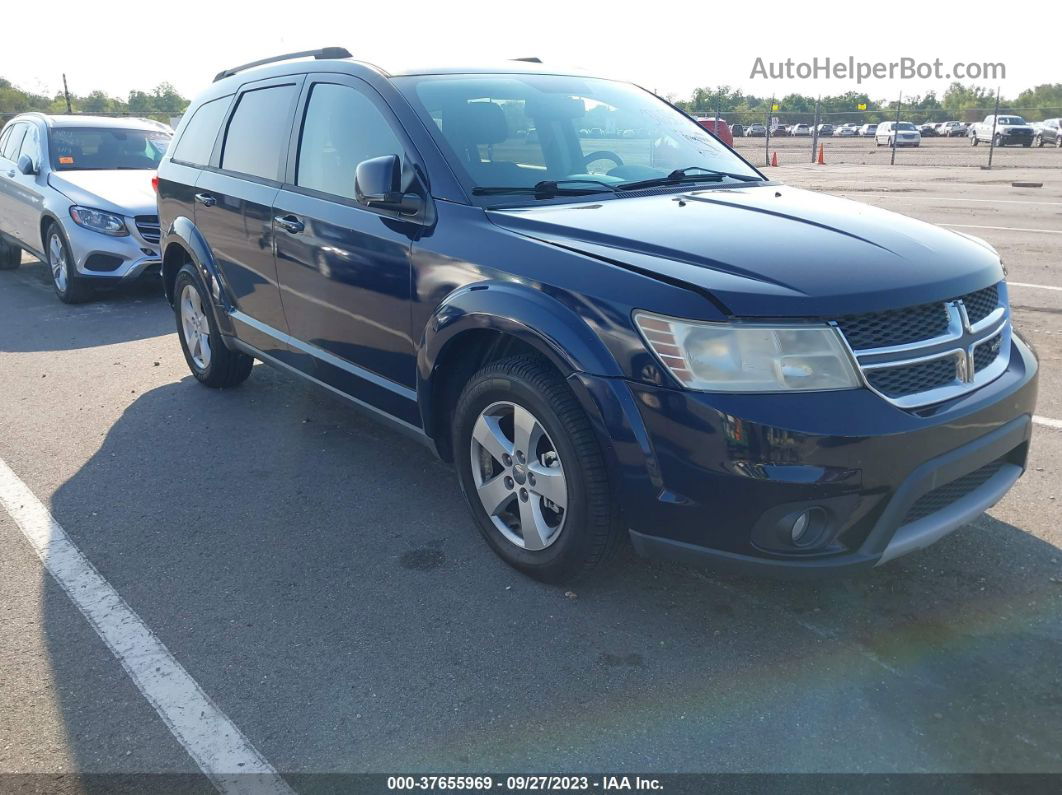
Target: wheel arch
[[183, 244], [483, 322]]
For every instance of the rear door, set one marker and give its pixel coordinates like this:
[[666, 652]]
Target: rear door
[[27, 191], [344, 270], [234, 203]]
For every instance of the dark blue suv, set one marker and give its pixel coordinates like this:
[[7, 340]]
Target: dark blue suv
[[610, 322]]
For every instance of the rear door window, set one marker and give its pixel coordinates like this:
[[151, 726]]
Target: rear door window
[[197, 141], [14, 141], [258, 132]]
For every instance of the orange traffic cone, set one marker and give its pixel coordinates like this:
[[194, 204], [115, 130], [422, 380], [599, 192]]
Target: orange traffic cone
[[822, 158], [774, 159]]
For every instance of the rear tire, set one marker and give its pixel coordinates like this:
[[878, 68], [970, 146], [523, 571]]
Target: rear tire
[[68, 285], [10, 256], [973, 140], [523, 402], [209, 359], [1039, 141]]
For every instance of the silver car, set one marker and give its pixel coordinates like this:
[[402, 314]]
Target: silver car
[[76, 192]]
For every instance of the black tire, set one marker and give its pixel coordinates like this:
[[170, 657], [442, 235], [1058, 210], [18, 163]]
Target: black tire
[[591, 528], [10, 255], [68, 285], [1058, 140], [1039, 141], [999, 142], [223, 367], [973, 140], [1026, 144]]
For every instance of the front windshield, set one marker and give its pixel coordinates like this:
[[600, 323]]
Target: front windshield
[[1011, 120], [522, 130], [905, 125], [92, 148]]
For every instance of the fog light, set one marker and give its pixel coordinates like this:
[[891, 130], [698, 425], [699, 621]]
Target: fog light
[[800, 527]]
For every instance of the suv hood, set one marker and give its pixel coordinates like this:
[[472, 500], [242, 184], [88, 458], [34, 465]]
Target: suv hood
[[125, 192], [771, 250]]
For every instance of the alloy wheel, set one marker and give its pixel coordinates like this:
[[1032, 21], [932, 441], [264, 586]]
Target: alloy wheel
[[519, 476], [57, 261], [195, 326]]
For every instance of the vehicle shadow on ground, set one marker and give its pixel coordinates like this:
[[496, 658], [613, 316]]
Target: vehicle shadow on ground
[[319, 576], [130, 312]]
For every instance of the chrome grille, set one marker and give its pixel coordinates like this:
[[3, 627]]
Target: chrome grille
[[148, 227], [932, 352]]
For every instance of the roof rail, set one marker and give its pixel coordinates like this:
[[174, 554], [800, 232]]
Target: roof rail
[[321, 54]]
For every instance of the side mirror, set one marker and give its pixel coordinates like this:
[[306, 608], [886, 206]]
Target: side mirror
[[378, 184], [25, 165]]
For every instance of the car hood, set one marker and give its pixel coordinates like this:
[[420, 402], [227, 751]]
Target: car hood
[[1028, 127], [125, 192], [771, 250]]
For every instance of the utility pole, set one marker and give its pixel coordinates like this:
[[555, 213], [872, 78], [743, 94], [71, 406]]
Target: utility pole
[[995, 121], [767, 135], [66, 93], [815, 130], [899, 102]]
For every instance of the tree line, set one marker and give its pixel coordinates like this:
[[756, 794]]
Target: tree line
[[961, 102], [160, 102]]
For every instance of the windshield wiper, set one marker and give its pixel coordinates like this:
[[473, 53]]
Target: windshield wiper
[[680, 175], [548, 188]]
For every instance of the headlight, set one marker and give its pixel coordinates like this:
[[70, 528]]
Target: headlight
[[747, 357], [99, 221]]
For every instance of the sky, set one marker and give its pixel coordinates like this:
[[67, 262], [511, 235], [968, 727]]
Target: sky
[[670, 47]]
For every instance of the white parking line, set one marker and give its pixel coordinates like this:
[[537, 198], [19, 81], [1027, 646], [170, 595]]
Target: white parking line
[[1047, 422], [207, 734], [1005, 228], [1037, 286]]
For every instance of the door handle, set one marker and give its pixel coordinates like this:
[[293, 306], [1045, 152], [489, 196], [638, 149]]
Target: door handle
[[290, 224], [206, 199]]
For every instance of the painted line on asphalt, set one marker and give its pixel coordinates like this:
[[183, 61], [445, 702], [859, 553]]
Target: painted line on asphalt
[[1037, 286], [1047, 422], [218, 747], [1005, 228], [905, 196]]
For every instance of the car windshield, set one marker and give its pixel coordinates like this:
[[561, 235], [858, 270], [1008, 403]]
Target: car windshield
[[1011, 120], [590, 134], [905, 125], [92, 148]]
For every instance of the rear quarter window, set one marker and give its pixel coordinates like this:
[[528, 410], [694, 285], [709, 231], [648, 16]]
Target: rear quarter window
[[197, 140]]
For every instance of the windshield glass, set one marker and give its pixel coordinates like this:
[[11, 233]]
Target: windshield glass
[[81, 148], [522, 130], [1011, 120], [905, 125]]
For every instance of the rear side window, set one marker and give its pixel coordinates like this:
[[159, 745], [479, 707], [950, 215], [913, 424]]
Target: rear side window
[[258, 132], [343, 127], [197, 141]]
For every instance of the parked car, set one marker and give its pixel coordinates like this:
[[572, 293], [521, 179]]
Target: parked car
[[717, 127], [868, 130], [950, 129], [778, 130], [904, 133], [1008, 130], [586, 392], [846, 131], [737, 130], [75, 191], [824, 130], [928, 130], [1049, 133], [800, 130]]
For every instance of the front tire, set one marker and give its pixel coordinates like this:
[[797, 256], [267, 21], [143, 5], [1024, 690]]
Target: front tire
[[1039, 141], [209, 359], [973, 140], [69, 286], [532, 471]]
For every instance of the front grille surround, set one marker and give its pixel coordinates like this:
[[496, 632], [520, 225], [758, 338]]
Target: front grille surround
[[148, 227], [930, 353]]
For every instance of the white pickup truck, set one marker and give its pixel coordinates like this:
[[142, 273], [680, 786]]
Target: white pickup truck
[[1008, 130]]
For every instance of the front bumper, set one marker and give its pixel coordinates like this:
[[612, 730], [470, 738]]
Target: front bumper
[[111, 259], [714, 478]]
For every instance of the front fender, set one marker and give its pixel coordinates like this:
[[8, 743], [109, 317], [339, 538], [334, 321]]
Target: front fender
[[182, 233]]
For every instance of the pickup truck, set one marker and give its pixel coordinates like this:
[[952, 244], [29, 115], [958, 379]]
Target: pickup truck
[[1007, 130]]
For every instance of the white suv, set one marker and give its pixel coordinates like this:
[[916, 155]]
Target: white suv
[[904, 133]]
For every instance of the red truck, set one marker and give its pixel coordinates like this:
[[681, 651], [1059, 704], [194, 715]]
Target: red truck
[[718, 127]]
